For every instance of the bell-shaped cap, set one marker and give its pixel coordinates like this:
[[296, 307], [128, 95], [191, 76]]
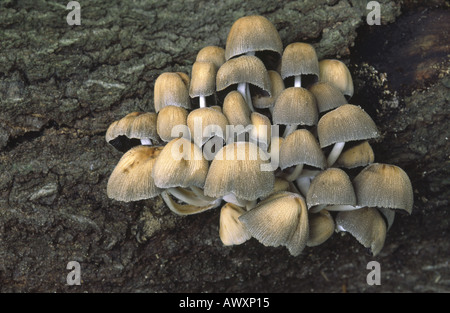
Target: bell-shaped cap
[[299, 59], [213, 54], [385, 186], [171, 89], [170, 117], [231, 229], [336, 72], [301, 147], [131, 179], [236, 109], [260, 131], [238, 168], [358, 155], [345, 123], [281, 219], [321, 227], [366, 225], [327, 96], [250, 34], [204, 123], [203, 79], [181, 164], [295, 106]]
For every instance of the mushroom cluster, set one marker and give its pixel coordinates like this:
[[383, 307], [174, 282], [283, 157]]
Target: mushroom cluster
[[268, 135]]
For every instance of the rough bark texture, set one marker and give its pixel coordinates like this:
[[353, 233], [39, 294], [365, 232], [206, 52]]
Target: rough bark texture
[[61, 86]]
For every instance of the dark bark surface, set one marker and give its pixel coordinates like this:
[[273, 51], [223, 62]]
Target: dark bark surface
[[61, 86]]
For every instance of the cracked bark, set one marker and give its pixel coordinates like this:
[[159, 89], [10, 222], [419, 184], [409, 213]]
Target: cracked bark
[[60, 88]]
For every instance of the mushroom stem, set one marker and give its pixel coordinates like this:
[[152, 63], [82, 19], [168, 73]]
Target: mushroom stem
[[335, 153], [202, 101], [304, 180], [146, 142], [187, 197], [295, 173], [289, 129], [297, 81], [186, 209], [343, 207], [244, 90]]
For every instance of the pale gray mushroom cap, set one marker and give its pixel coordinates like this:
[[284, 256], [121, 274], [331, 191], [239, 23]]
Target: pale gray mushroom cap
[[180, 164], [299, 59], [276, 86], [385, 186], [280, 219], [321, 227], [336, 73], [295, 106], [243, 69], [171, 89], [209, 121], [213, 54], [236, 169], [327, 96], [252, 33], [331, 187], [236, 109], [231, 229], [169, 117], [301, 147], [131, 179], [137, 125], [345, 123], [203, 79], [359, 155], [366, 225], [261, 131]]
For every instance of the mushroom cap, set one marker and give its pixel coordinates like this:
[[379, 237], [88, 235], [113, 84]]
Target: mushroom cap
[[203, 79], [295, 106], [131, 179], [385, 186], [135, 125], [169, 117], [301, 147], [171, 89], [181, 164], [236, 169], [260, 131], [203, 121], [236, 109], [345, 123], [244, 69], [327, 96], [299, 58], [276, 86], [252, 33], [336, 73], [331, 186], [366, 225], [213, 54], [280, 219], [231, 230], [321, 227], [359, 155]]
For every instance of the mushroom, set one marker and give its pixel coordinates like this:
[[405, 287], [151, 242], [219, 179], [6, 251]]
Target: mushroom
[[327, 96], [260, 130], [213, 54], [384, 186], [298, 149], [366, 225], [332, 190], [203, 82], [231, 230], [299, 60], [236, 169], [131, 179], [345, 123], [133, 129], [254, 35], [170, 119], [358, 155], [321, 227], [295, 106], [336, 72], [237, 112], [171, 89], [279, 220], [244, 70], [261, 101]]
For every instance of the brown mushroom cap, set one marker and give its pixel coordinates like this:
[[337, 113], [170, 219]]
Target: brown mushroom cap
[[131, 179], [236, 109], [366, 225], [327, 96], [337, 73], [384, 185], [250, 34], [295, 106], [299, 59], [260, 132], [169, 117], [232, 231], [276, 86], [359, 155], [171, 89], [203, 79], [345, 123], [321, 227], [202, 120], [237, 169], [181, 164], [213, 54]]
